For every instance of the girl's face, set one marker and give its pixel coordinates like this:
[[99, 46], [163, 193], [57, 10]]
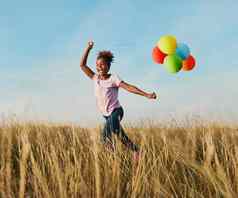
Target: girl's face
[[102, 66]]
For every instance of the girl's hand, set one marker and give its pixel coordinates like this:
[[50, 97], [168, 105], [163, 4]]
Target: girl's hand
[[151, 95], [90, 44]]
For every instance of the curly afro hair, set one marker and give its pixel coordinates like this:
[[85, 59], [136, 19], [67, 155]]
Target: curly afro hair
[[107, 56]]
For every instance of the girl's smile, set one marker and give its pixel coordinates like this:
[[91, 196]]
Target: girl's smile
[[102, 67]]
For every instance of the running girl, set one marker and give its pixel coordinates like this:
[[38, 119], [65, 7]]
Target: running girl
[[106, 91]]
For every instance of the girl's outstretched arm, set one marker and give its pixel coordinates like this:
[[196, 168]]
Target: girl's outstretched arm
[[83, 62], [135, 90]]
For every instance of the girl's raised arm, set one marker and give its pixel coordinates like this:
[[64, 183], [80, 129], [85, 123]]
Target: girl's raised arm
[[83, 62]]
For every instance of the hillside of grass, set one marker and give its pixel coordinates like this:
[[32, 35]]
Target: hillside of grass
[[50, 160]]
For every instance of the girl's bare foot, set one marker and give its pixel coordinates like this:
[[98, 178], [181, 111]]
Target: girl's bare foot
[[136, 156]]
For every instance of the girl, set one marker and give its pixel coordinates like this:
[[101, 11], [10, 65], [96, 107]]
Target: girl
[[106, 92]]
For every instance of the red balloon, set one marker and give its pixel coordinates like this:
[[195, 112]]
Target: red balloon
[[189, 63], [158, 56]]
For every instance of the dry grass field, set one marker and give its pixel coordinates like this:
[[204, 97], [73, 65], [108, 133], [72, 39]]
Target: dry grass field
[[56, 160]]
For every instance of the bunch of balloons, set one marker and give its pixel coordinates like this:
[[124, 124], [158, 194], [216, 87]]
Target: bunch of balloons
[[175, 56]]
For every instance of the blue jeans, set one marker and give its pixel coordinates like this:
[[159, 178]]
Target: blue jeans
[[112, 125]]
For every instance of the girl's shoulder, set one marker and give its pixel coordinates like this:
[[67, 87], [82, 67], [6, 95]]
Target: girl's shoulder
[[116, 80], [115, 76], [112, 78], [95, 77]]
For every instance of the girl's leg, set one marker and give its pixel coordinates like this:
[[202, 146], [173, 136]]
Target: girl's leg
[[114, 122], [106, 136], [126, 141]]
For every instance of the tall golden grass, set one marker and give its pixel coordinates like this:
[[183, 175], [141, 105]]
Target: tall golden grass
[[50, 160]]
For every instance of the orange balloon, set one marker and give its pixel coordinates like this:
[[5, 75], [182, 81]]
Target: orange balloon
[[158, 56], [189, 63]]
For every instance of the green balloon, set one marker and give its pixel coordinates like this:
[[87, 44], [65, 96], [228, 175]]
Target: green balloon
[[173, 63]]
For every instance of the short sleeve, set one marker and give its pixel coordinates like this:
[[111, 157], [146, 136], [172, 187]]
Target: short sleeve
[[117, 80]]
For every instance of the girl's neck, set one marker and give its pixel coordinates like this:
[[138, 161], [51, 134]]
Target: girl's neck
[[105, 76]]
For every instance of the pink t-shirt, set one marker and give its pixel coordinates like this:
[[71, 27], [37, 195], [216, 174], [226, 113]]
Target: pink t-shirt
[[106, 92]]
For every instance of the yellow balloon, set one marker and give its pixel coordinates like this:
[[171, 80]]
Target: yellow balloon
[[167, 44]]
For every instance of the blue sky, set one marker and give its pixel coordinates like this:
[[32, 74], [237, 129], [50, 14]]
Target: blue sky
[[42, 42]]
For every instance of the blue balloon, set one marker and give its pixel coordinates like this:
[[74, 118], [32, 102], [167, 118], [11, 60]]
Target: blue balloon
[[182, 51]]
